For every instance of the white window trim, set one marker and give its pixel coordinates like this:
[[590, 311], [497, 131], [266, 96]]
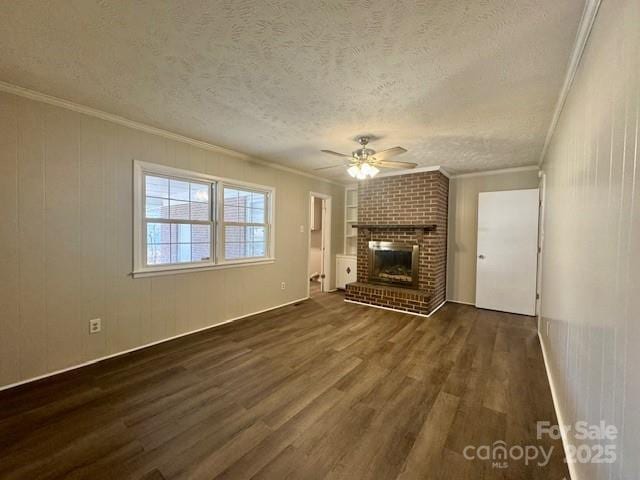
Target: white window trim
[[217, 260]]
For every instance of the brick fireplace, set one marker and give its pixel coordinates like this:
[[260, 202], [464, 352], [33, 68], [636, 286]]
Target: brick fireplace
[[411, 211]]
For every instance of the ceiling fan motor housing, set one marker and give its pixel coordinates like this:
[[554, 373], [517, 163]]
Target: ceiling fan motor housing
[[363, 153]]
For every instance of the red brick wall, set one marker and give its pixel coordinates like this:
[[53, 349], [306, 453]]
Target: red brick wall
[[416, 198], [413, 198]]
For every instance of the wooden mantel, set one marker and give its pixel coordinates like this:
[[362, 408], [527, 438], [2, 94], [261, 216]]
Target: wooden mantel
[[401, 226]]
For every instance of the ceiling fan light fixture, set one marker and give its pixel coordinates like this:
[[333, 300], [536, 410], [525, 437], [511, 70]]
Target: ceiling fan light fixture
[[353, 170], [362, 171], [369, 170]]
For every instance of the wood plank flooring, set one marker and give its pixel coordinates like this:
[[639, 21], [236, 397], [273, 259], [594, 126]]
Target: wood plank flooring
[[323, 389]]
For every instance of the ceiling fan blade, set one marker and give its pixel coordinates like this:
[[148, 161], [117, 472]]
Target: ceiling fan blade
[[330, 166], [392, 164], [331, 152], [389, 152]]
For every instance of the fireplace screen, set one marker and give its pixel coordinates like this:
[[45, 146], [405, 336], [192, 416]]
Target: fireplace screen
[[393, 263]]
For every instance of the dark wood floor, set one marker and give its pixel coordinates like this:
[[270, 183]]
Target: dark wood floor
[[323, 389], [314, 288]]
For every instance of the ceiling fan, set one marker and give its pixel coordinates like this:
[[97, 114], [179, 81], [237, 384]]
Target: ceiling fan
[[366, 162]]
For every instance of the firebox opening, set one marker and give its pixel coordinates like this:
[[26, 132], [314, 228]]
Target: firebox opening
[[393, 263]]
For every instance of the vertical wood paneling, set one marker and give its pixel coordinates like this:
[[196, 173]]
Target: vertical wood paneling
[[62, 238], [111, 321], [9, 253], [66, 237], [129, 293], [33, 321], [93, 234], [592, 242]]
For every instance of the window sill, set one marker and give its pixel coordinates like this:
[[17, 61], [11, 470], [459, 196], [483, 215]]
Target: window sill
[[155, 272]]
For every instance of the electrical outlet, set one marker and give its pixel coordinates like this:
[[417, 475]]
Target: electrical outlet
[[95, 325], [301, 228], [283, 286]]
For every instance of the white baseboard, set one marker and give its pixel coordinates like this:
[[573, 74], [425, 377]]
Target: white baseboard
[[395, 309], [437, 308], [461, 302], [556, 405], [146, 345]]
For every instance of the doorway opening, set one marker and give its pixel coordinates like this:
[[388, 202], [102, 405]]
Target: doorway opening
[[319, 243]]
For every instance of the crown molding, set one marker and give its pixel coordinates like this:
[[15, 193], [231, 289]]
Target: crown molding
[[409, 171], [501, 171], [584, 31], [109, 117]]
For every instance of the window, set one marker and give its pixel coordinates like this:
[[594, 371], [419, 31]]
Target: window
[[177, 214], [178, 224], [245, 226]]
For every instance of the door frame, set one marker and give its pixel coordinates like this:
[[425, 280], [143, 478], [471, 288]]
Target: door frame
[[542, 186], [326, 241]]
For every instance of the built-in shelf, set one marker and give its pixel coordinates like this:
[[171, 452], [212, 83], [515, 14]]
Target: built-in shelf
[[351, 218], [377, 226]]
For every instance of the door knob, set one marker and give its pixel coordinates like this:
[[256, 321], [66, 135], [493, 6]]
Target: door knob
[[481, 257]]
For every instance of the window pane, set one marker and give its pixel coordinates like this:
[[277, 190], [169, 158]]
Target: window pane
[[256, 216], [178, 189], [242, 206], [200, 251], [158, 233], [244, 241], [244, 198], [233, 251], [180, 233], [157, 186], [200, 192], [259, 249], [201, 233], [257, 234], [231, 213], [156, 207], [180, 253], [258, 200], [230, 193], [158, 254], [179, 210], [199, 211], [234, 233]]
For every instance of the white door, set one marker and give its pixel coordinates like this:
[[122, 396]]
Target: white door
[[507, 251]]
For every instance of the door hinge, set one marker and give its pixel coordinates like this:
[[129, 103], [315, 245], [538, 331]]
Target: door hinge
[[537, 296]]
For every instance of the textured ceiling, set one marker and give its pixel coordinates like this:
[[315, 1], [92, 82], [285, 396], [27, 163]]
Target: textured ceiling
[[469, 85]]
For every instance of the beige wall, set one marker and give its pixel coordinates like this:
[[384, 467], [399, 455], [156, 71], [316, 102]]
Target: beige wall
[[463, 225], [66, 238], [591, 256]]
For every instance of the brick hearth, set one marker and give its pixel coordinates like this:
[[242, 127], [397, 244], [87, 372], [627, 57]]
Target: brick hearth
[[412, 199]]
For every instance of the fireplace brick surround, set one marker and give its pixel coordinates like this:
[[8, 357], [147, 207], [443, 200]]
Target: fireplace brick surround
[[405, 202]]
